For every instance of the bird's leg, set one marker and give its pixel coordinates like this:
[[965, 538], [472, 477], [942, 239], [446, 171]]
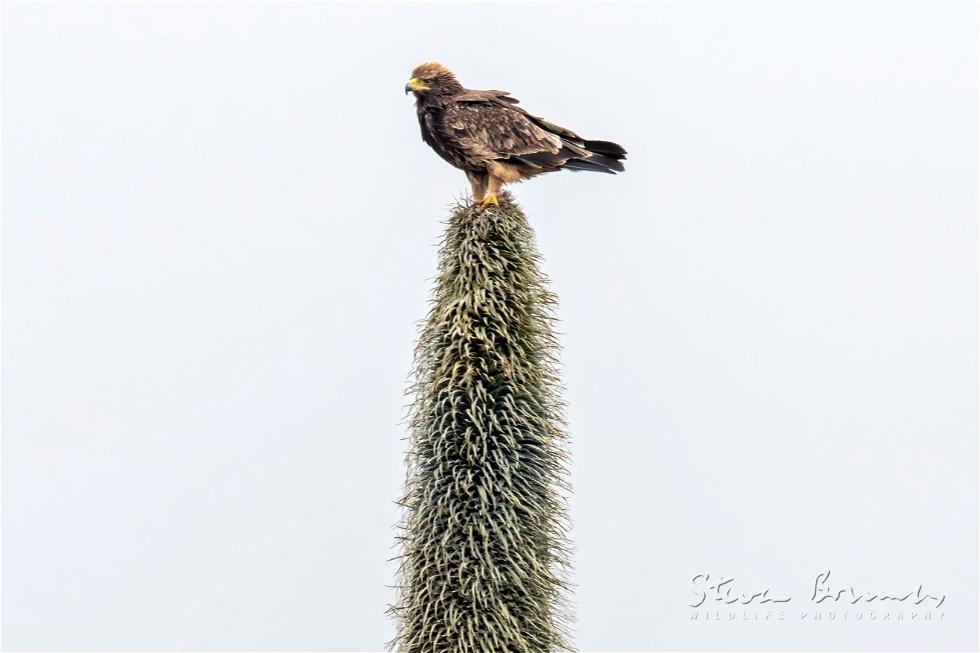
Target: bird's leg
[[493, 187], [478, 183]]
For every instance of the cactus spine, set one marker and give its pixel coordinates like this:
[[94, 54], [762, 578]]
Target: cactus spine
[[484, 558]]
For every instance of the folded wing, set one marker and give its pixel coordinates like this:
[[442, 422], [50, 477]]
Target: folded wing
[[489, 126]]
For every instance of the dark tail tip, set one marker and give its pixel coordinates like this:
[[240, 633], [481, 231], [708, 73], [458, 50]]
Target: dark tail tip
[[607, 148], [596, 163]]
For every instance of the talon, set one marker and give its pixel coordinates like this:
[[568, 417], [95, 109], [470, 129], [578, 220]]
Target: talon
[[488, 200]]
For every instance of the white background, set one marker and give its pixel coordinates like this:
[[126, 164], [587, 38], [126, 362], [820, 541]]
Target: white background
[[218, 235]]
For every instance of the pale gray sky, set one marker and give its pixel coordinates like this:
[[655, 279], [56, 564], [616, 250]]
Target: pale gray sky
[[218, 234]]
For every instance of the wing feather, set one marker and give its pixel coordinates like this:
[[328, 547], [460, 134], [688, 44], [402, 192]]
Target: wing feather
[[489, 130], [489, 126]]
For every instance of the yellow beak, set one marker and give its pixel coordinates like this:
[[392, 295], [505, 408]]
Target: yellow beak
[[415, 85]]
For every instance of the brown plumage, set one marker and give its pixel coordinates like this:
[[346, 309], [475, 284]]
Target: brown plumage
[[485, 134]]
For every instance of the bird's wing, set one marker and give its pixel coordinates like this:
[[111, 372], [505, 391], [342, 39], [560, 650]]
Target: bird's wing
[[503, 98], [489, 125], [490, 129]]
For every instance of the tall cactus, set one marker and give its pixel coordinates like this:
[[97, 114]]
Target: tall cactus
[[484, 555]]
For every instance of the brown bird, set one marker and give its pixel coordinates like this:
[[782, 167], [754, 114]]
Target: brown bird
[[486, 135]]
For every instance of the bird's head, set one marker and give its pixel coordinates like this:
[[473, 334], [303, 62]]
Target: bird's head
[[432, 79]]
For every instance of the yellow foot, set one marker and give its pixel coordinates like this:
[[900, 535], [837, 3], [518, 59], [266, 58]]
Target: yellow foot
[[488, 200]]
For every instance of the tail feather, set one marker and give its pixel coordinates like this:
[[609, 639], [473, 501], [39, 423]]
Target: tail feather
[[603, 156], [598, 156], [586, 164], [610, 149]]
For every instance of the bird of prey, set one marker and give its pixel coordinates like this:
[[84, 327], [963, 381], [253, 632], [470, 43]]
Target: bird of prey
[[490, 138]]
